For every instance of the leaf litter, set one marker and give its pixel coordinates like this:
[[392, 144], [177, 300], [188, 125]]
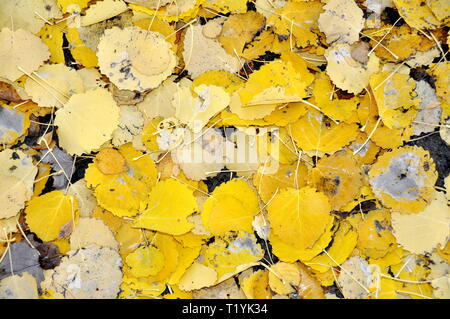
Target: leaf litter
[[224, 149]]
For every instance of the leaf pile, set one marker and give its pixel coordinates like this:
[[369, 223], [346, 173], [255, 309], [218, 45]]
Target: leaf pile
[[224, 149]]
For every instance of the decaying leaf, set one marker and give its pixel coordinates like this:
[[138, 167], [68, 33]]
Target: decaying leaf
[[25, 259], [342, 21], [19, 287], [404, 179], [135, 59], [339, 177], [346, 72], [89, 273]]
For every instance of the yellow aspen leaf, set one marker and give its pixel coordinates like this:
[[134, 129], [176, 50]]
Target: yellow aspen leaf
[[260, 44], [110, 162], [150, 4], [280, 81], [227, 289], [325, 279], [29, 15], [42, 178], [52, 215], [177, 293], [355, 281], [23, 286], [62, 82], [382, 135], [186, 257], [52, 36], [225, 6], [102, 10], [231, 206], [421, 233], [287, 113], [149, 134], [13, 195], [79, 50], [416, 270], [375, 238], [197, 276], [279, 145], [63, 245], [170, 203], [366, 153], [365, 194], [146, 56], [91, 231], [110, 220], [256, 285], [341, 21], [404, 179], [417, 14], [190, 240], [157, 25], [316, 132], [402, 41], [145, 261], [289, 253], [142, 166], [441, 75], [140, 288], [267, 182], [298, 20], [87, 121], [231, 119], [309, 287], [344, 242], [253, 112], [335, 108], [20, 48], [72, 5], [85, 197], [347, 73], [299, 216], [229, 81], [283, 277], [124, 194], [202, 54], [18, 164], [196, 111], [169, 247], [393, 257], [396, 99], [441, 9], [339, 177], [130, 238], [240, 29], [183, 9]]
